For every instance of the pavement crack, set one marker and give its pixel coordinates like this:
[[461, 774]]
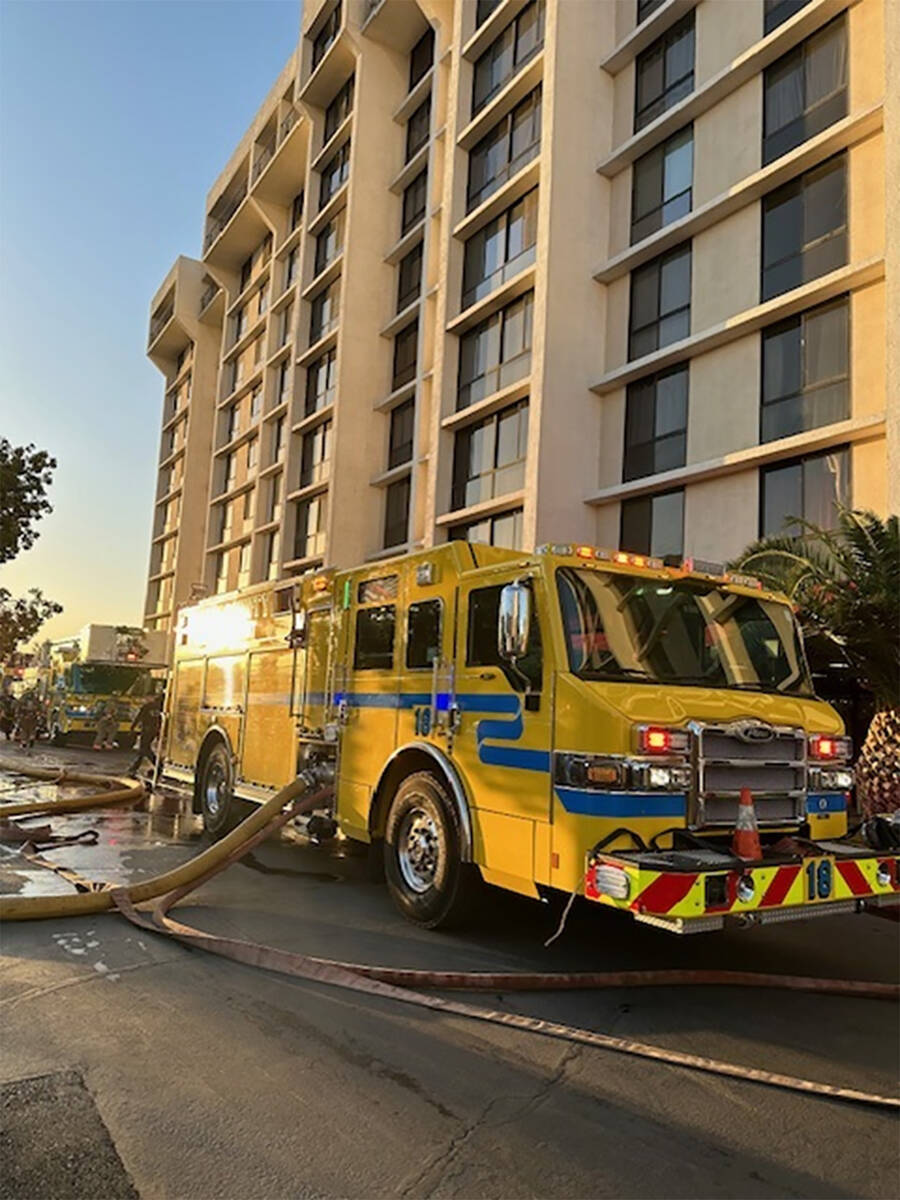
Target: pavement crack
[[444, 1159]]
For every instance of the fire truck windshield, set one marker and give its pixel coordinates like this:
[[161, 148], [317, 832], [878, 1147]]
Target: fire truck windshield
[[100, 679], [681, 632]]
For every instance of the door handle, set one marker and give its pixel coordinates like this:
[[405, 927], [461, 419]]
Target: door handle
[[488, 675]]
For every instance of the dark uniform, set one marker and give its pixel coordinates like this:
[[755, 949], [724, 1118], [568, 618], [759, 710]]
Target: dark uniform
[[148, 720]]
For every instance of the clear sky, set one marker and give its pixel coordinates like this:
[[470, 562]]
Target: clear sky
[[115, 119]]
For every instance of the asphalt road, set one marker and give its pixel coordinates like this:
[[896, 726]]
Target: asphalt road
[[216, 1080]]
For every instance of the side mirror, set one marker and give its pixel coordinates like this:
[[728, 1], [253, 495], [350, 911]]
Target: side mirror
[[514, 620]]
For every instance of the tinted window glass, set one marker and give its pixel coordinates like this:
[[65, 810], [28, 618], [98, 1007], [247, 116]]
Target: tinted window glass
[[482, 646], [664, 72], [654, 524], [806, 371], [423, 634], [660, 302], [374, 649], [656, 423], [804, 228]]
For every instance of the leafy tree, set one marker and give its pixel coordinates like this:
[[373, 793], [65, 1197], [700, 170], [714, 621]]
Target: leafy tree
[[21, 617], [25, 476], [845, 584]]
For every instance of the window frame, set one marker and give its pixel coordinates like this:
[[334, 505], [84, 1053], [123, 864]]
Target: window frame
[[631, 503], [408, 372], [657, 264], [824, 113], [493, 373], [401, 452], [411, 293], [776, 12], [504, 131], [339, 109], [417, 137], [410, 219], [431, 602], [645, 226], [334, 174], [329, 358], [392, 521], [633, 446], [800, 461], [418, 71], [325, 311], [461, 479], [799, 321], [800, 184], [507, 42], [649, 112], [363, 614], [509, 267]]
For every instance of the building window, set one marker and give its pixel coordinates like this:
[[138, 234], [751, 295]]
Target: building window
[[229, 471], [262, 301], [518, 42], [315, 455], [510, 145], [806, 371], [252, 453], [501, 249], [396, 513], [405, 354], [287, 323], [808, 488], [805, 91], [309, 535], [297, 210], [664, 73], [654, 524], [234, 421], [374, 645], [338, 110], [273, 505], [330, 242], [496, 353], [324, 311], [284, 380], [270, 555], [776, 12], [320, 383], [241, 322], [326, 35], [660, 302], [483, 10], [278, 439], [804, 228], [255, 403], [645, 8], [221, 565], [421, 57], [661, 185], [334, 174], [409, 286], [400, 441], [290, 271], [423, 634], [489, 457], [503, 530], [246, 271], [418, 129], [656, 423], [415, 198], [244, 566]]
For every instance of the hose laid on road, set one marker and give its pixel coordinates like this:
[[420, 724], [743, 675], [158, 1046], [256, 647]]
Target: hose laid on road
[[114, 791], [380, 981]]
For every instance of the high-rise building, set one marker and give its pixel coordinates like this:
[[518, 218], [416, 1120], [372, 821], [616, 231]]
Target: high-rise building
[[613, 272]]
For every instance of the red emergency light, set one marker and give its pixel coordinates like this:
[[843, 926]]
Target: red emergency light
[[824, 746], [658, 739]]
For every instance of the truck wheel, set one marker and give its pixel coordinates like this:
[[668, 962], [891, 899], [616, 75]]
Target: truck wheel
[[425, 875], [221, 811]]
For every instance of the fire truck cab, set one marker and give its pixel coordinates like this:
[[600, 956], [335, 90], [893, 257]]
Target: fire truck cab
[[573, 719]]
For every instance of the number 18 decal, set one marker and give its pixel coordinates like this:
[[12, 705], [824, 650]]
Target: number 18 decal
[[818, 879]]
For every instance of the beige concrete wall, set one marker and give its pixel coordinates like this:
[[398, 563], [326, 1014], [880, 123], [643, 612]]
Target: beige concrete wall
[[728, 142], [724, 30], [723, 406], [866, 198], [721, 516], [868, 480], [867, 342], [725, 269]]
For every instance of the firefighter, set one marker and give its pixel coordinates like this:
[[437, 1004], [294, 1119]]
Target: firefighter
[[148, 720], [7, 714], [26, 720], [107, 726]]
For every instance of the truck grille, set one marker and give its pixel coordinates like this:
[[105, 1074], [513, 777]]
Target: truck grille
[[728, 758]]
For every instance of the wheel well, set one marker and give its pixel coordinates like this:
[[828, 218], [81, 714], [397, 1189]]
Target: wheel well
[[212, 737], [407, 762]]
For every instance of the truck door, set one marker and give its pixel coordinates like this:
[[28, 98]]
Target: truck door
[[367, 693], [502, 741]]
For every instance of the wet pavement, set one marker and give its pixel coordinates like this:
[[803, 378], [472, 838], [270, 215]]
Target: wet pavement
[[217, 1080]]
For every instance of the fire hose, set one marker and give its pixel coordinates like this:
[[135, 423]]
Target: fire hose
[[303, 795]]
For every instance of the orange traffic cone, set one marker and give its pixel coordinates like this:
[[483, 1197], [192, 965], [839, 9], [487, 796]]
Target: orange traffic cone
[[746, 833]]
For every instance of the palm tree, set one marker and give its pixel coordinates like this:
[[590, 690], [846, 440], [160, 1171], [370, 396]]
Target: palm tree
[[844, 584]]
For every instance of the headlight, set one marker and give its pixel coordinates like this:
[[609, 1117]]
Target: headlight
[[595, 772], [830, 779]]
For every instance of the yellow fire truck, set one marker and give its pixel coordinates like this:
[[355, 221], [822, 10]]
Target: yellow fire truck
[[573, 719], [76, 676]]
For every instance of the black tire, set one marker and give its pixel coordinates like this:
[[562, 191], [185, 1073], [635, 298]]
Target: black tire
[[221, 811], [425, 875]]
